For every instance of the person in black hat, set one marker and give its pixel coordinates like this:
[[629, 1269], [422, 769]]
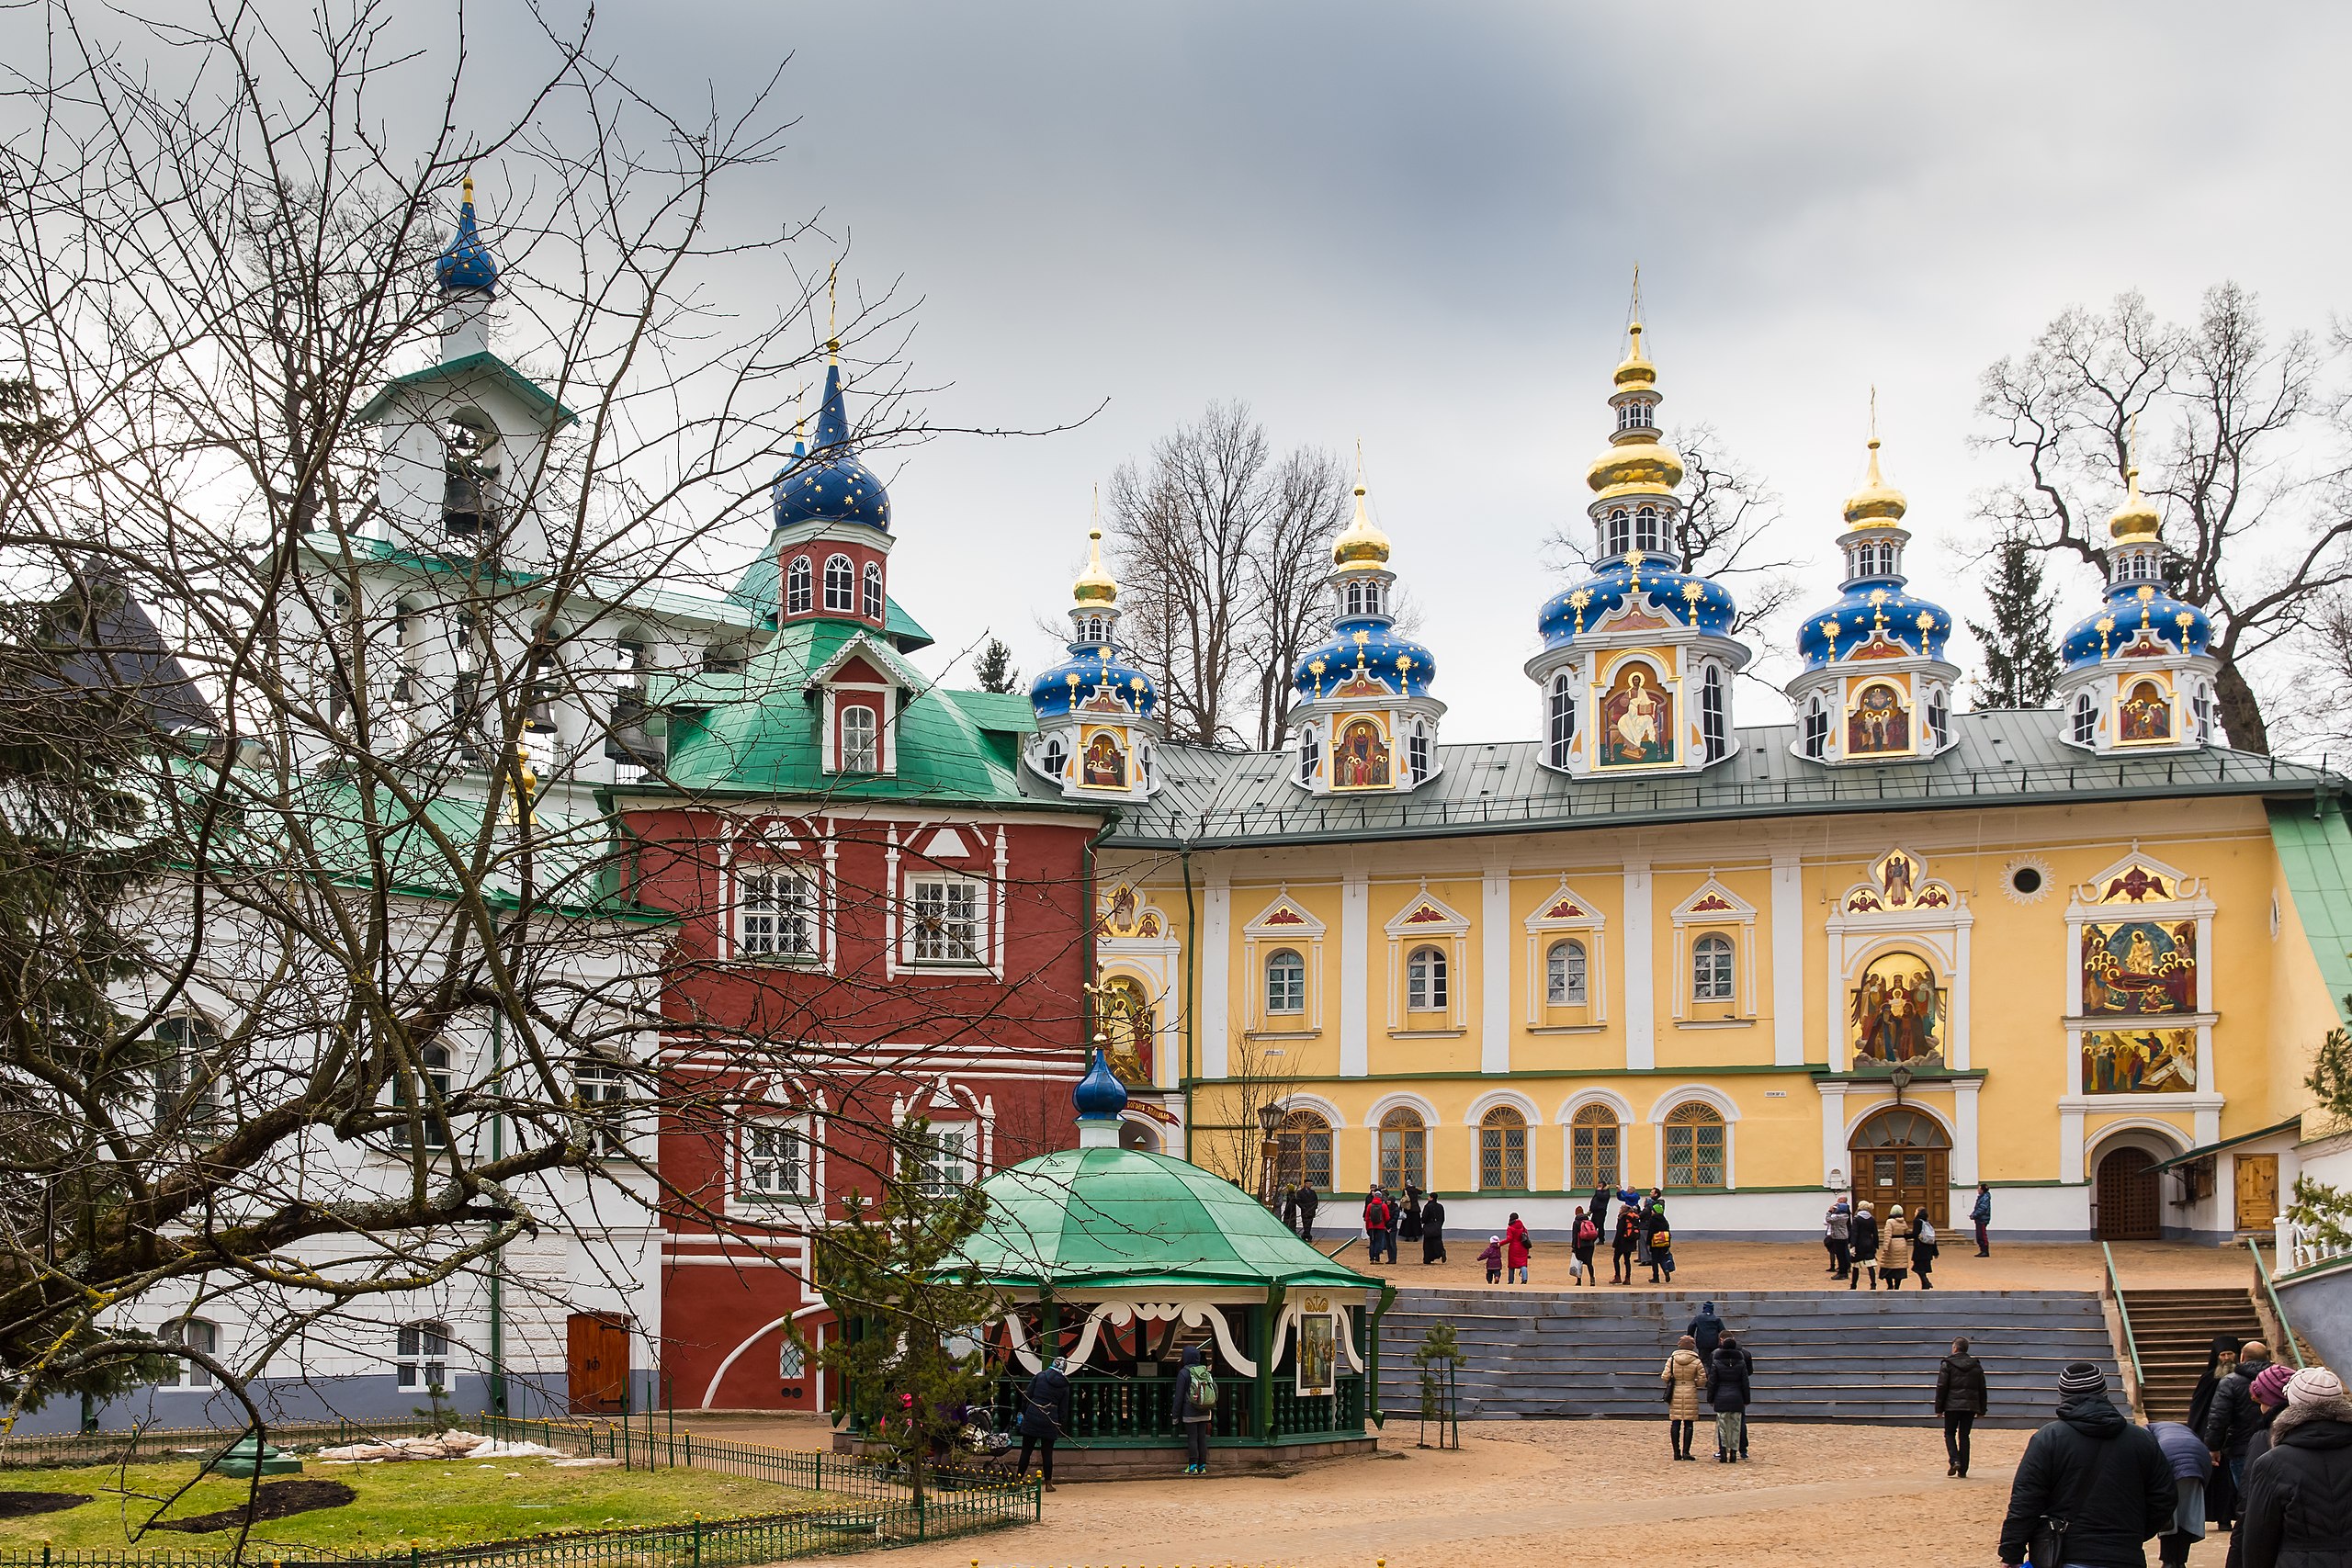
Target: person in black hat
[[2091, 1487]]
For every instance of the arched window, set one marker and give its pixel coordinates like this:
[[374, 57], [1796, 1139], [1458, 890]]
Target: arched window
[[195, 1334], [1633, 415], [1404, 1151], [1417, 751], [1562, 718], [1303, 1150], [1648, 536], [1310, 754], [1564, 973], [1939, 718], [861, 749], [1286, 981], [1355, 599], [1095, 630], [1617, 534], [1056, 758], [1714, 723], [1592, 1149], [2200, 708], [187, 1068], [1425, 980], [1695, 1145], [873, 590], [1711, 969], [2086, 719], [1502, 1151], [421, 1357], [796, 587], [434, 1062], [1817, 729], [840, 584]]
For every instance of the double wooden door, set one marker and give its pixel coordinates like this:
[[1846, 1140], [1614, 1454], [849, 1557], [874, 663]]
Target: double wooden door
[[1916, 1179], [2129, 1196]]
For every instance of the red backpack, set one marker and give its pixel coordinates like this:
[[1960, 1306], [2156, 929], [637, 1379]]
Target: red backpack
[[1586, 1233]]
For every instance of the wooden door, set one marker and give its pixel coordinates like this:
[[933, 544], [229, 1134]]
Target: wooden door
[[1916, 1179], [596, 1362], [2258, 1183], [2127, 1197]]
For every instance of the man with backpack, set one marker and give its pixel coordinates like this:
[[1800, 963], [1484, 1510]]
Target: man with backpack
[[2091, 1487], [1629, 1230], [1196, 1408], [1659, 1239], [1378, 1219]]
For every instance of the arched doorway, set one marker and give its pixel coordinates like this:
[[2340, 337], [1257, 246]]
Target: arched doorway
[[2129, 1196], [1135, 1135], [1902, 1155]]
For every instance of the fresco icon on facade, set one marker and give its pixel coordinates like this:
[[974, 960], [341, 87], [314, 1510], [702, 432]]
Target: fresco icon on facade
[[2139, 969], [1636, 721], [1880, 725], [2145, 713], [1362, 761], [2139, 1061], [1898, 1015]]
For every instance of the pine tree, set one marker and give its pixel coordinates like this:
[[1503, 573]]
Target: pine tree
[[994, 668], [2021, 649]]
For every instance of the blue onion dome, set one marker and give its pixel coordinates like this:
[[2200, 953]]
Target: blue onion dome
[[1094, 678], [830, 485], [2141, 619], [1651, 592], [1098, 1095], [1877, 617], [1365, 657], [467, 263]]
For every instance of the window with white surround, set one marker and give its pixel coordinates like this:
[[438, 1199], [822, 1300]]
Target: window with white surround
[[1055, 757], [1564, 974], [941, 1156], [1817, 729], [1648, 537], [2200, 707], [874, 597], [195, 1334], [946, 921], [1697, 1144], [1711, 970], [434, 1062], [777, 1162], [2086, 719], [1563, 718], [1416, 752], [421, 1357], [861, 740], [600, 1089], [1425, 980], [1713, 725], [1286, 981], [1097, 629], [1617, 533], [187, 1089], [776, 912], [799, 587], [1939, 718], [840, 584], [1310, 754]]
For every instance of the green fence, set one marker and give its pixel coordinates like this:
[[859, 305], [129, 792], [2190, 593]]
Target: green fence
[[66, 1448]]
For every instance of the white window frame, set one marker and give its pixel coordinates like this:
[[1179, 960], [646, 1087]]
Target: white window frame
[[767, 1149], [195, 1332], [437, 1065], [1310, 754], [417, 1364], [1053, 759], [1560, 718], [1715, 714], [1714, 968], [875, 600], [1426, 979], [947, 1156], [1617, 533], [860, 752], [768, 895], [799, 587], [1286, 998], [841, 586], [1816, 741], [1416, 753], [1649, 531], [1566, 985], [601, 1081], [937, 905], [2086, 719], [188, 1044]]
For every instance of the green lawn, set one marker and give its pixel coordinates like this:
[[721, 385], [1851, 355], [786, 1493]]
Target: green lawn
[[424, 1504]]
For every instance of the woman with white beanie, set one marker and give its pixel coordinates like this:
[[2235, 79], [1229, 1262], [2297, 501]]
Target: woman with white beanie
[[2297, 1511]]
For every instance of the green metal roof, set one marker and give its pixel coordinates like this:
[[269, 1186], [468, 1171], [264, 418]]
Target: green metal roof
[[2315, 856], [483, 368], [1088, 1218], [2202, 1150], [2004, 757], [1007, 713]]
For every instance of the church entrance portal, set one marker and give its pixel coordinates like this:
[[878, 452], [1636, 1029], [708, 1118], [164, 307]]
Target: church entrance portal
[[1901, 1156]]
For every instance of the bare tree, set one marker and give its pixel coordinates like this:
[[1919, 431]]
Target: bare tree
[[2240, 433], [1289, 563]]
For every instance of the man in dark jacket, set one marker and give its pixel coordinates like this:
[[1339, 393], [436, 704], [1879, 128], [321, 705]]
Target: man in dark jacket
[[1045, 1416], [1728, 1391], [1862, 1238], [1706, 1331], [1600, 1197], [2231, 1421], [2298, 1509], [1308, 1199], [1979, 1215], [1960, 1400], [2103, 1476]]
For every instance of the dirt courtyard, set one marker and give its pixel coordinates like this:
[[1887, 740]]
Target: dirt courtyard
[[1532, 1491]]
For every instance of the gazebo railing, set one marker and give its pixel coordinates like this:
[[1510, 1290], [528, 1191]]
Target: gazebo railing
[[1113, 1411]]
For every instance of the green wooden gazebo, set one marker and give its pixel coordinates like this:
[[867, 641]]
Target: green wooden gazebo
[[1117, 1260]]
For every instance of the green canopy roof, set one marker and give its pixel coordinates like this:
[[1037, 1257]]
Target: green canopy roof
[[1088, 1219]]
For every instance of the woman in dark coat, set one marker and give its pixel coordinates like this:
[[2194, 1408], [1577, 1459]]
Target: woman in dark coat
[[1409, 1218], [1727, 1395], [2221, 1497], [1045, 1416], [1432, 1231], [2299, 1494]]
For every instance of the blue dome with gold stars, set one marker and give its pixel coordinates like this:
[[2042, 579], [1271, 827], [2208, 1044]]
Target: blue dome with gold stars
[[1095, 679], [466, 263], [2139, 620], [830, 485], [1662, 596], [1364, 648], [1876, 617]]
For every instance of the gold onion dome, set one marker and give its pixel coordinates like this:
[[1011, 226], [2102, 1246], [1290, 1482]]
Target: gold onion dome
[[2136, 519], [1095, 585], [1637, 370], [1362, 544], [1637, 462], [1877, 501]]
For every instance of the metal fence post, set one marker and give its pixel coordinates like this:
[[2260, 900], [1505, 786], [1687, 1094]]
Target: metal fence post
[[697, 1540]]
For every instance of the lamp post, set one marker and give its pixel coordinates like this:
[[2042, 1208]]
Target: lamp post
[[1268, 1150]]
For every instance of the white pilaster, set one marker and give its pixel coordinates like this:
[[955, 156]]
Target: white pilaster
[[1641, 985], [1356, 933], [1833, 1131], [2070, 1144], [1215, 1027], [1494, 994], [1964, 1170], [1964, 985], [1788, 961]]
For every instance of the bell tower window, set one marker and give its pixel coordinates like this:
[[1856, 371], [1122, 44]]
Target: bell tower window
[[873, 590], [1310, 755], [1416, 752], [2086, 719], [840, 586], [1562, 719], [799, 587], [1817, 729], [1617, 533], [1635, 415], [1714, 727], [1648, 537]]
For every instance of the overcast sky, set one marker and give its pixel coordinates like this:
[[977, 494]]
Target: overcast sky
[[1416, 226]]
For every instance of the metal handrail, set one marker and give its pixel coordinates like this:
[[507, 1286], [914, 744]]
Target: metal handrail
[[2124, 1311], [2286, 1329]]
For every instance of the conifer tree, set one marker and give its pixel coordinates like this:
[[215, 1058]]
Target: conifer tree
[[2021, 650], [994, 668]]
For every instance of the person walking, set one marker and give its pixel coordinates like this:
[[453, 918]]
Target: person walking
[[1308, 1202], [1960, 1398], [1727, 1390], [1045, 1416], [1196, 1408], [1684, 1372], [1599, 1211], [2221, 1360], [2090, 1487], [1622, 1248], [1432, 1231], [1516, 1246], [1979, 1215], [1894, 1248], [2191, 1468], [1924, 1250], [1586, 1237], [2231, 1421], [1659, 1237], [1376, 1222], [1706, 1331], [2299, 1494], [1837, 1235], [1864, 1233], [1492, 1257], [1409, 1222], [1290, 1209]]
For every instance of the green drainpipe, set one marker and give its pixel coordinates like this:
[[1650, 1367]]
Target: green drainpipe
[[1379, 1418], [497, 1388]]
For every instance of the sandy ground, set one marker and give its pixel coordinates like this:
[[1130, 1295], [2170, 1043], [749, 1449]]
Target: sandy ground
[[1537, 1491], [1790, 1266]]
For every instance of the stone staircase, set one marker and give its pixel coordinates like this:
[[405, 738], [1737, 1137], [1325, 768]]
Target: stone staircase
[[2174, 1331], [1825, 1355]]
